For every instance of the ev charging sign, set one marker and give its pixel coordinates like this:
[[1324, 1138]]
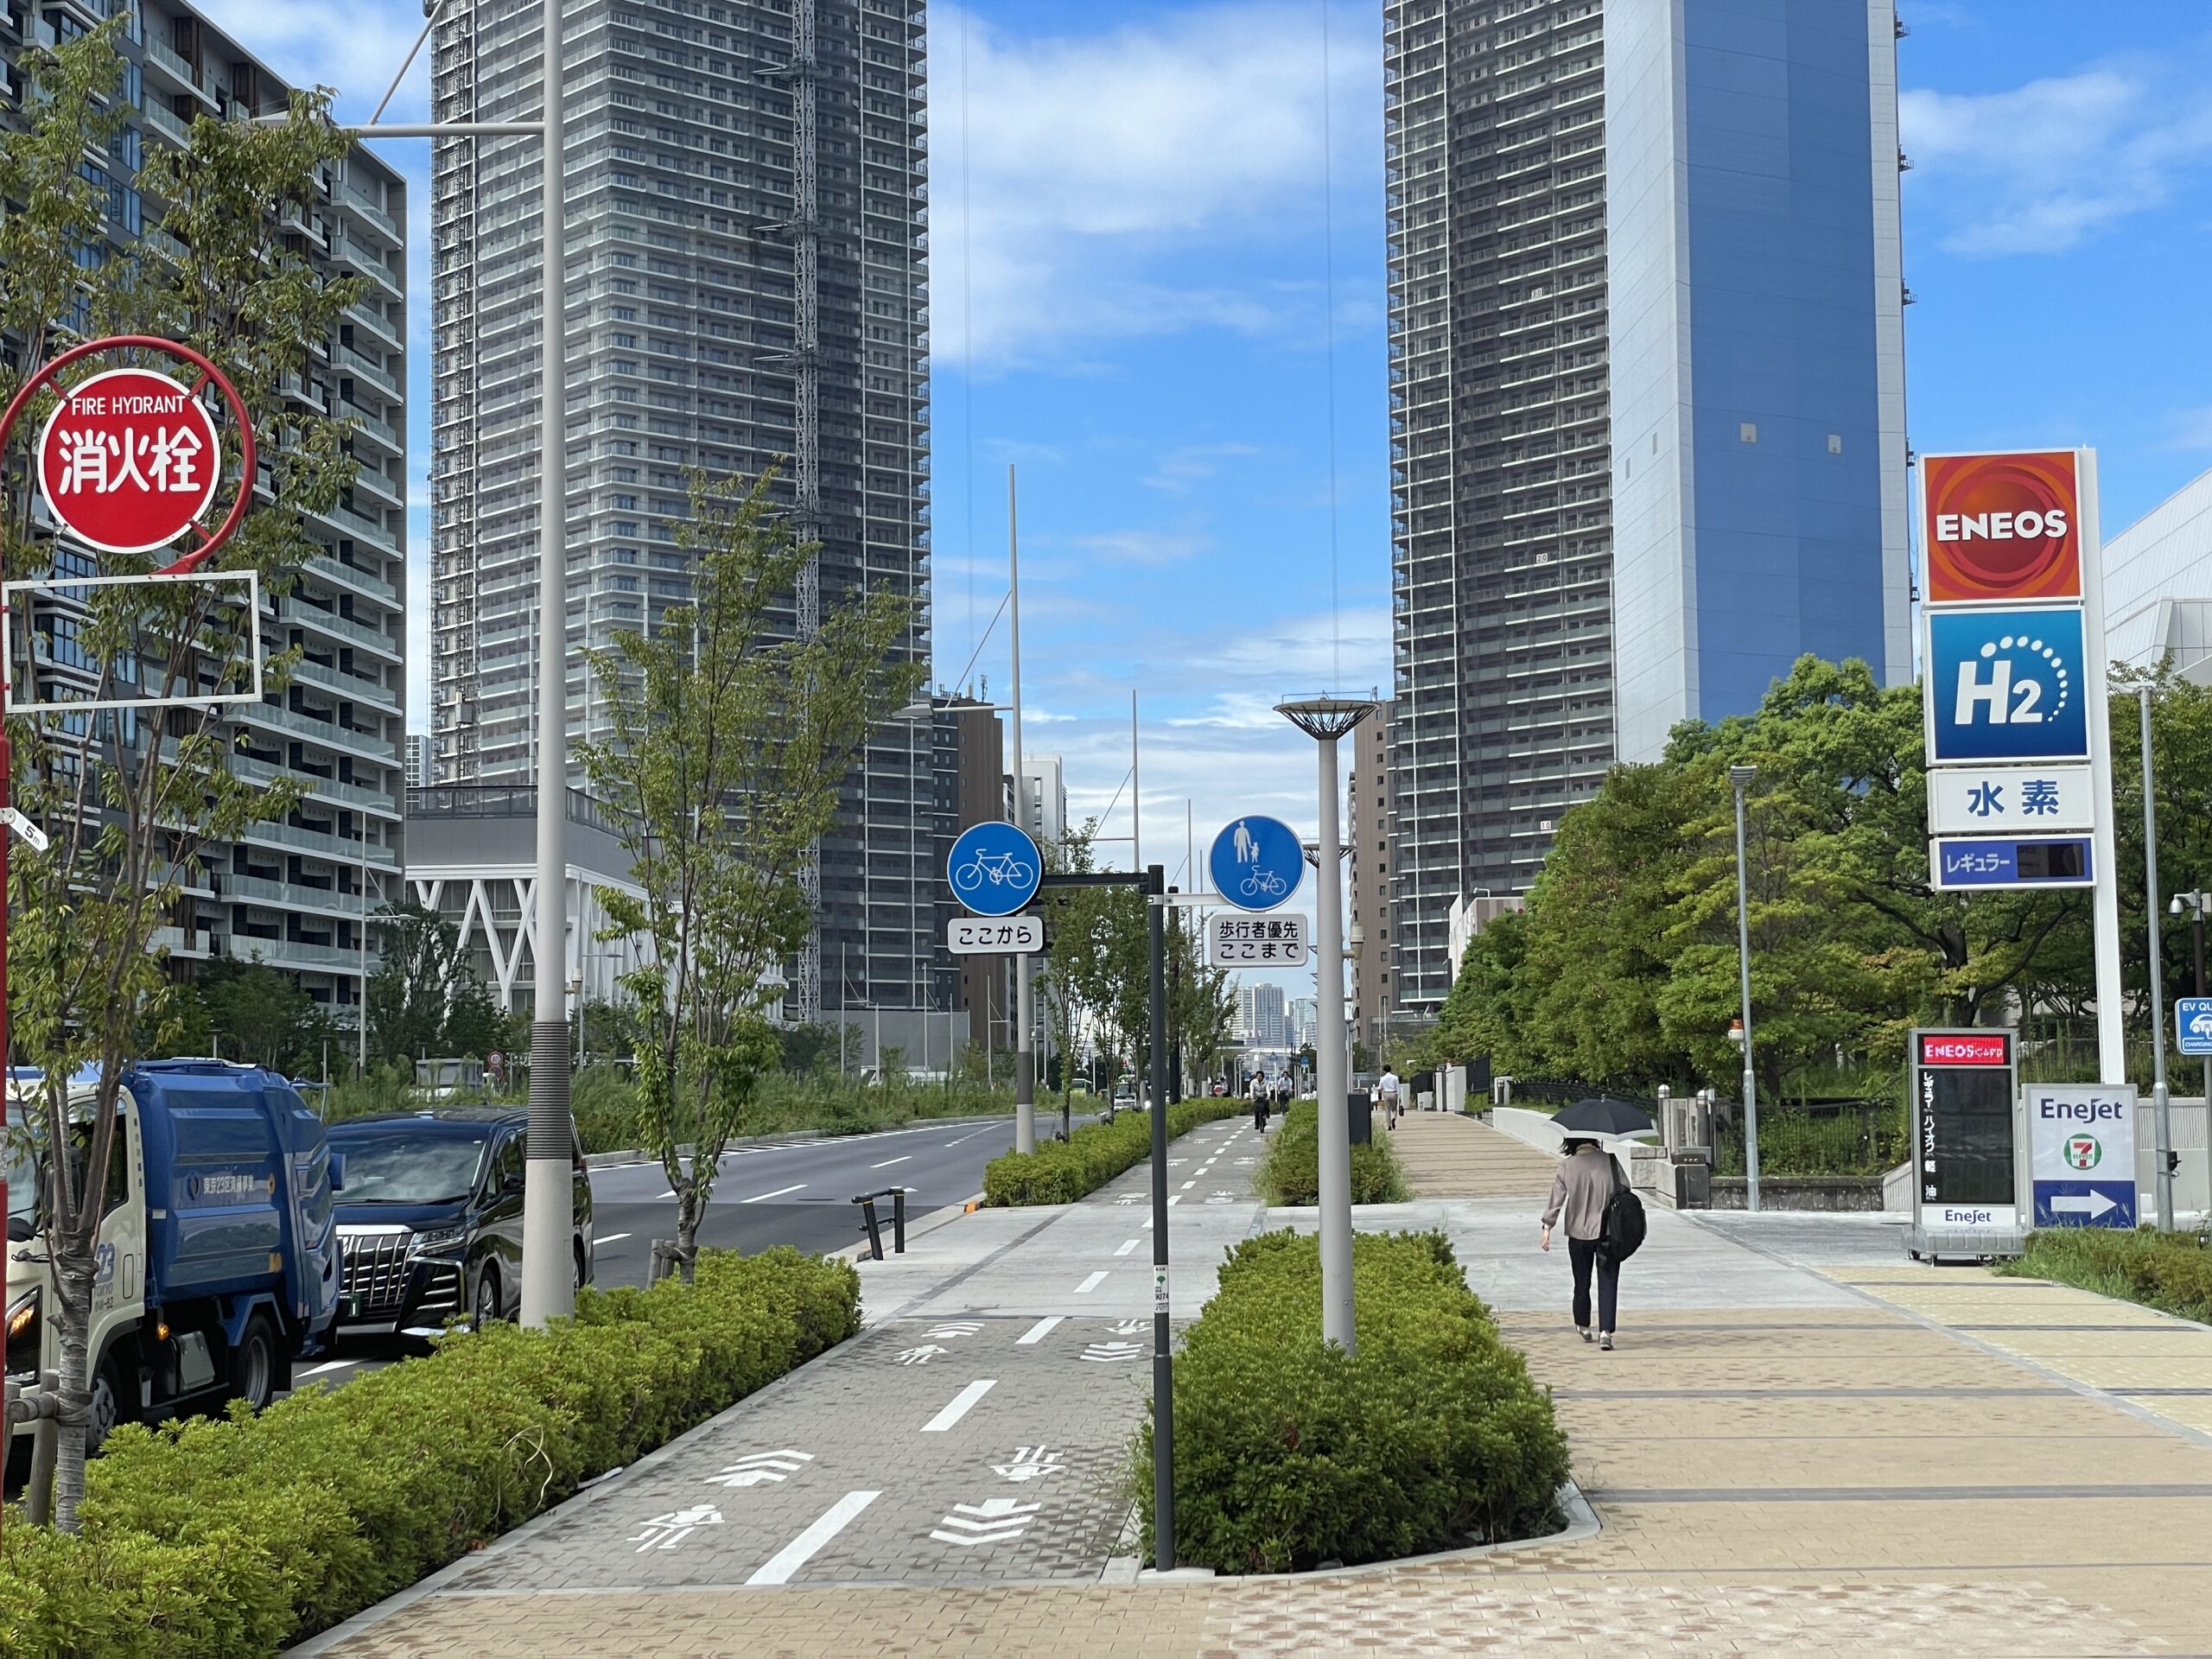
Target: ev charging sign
[[2082, 1144], [2007, 684]]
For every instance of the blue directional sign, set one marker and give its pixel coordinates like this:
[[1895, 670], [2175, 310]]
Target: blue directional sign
[[994, 869], [2039, 862], [2007, 685], [2086, 1204], [1256, 863], [2193, 1024]]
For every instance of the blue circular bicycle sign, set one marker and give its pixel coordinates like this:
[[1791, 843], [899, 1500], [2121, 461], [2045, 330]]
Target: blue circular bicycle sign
[[994, 869], [1256, 863]]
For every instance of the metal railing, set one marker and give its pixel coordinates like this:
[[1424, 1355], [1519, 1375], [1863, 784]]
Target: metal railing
[[874, 1228]]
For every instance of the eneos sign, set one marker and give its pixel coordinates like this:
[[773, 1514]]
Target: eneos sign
[[2001, 527], [128, 460]]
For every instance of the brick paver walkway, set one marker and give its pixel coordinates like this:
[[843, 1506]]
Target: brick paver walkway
[[1888, 1458], [1446, 1155]]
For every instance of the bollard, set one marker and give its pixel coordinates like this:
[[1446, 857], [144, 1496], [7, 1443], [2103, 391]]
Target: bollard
[[867, 1202], [898, 1220]]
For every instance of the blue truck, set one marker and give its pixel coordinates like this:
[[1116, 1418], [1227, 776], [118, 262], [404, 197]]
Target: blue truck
[[218, 1258]]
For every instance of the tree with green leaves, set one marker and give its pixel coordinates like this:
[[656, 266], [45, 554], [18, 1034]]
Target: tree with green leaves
[[129, 800], [730, 740], [259, 1015]]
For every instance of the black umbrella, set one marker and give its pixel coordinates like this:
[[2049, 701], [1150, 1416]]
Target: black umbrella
[[1604, 1116]]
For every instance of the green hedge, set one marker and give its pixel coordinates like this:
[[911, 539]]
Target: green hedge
[[1288, 1453], [1292, 1173], [2169, 1271], [1060, 1172], [229, 1537]]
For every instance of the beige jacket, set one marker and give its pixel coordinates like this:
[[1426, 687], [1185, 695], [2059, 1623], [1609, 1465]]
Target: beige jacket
[[1580, 1190]]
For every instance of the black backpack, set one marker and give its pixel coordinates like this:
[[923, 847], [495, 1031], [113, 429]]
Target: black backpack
[[1620, 1231]]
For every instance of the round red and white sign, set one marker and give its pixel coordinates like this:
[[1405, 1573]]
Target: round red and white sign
[[130, 460]]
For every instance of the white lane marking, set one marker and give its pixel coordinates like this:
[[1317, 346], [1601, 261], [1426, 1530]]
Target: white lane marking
[[959, 1405], [1188, 1185], [327, 1366], [760, 1197], [1128, 1247], [779, 1568], [986, 1129], [1037, 1333], [1148, 1220], [608, 1238], [670, 1194], [1092, 1283], [1175, 1200], [886, 1163]]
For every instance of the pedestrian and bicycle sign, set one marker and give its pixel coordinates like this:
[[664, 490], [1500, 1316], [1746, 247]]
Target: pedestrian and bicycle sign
[[2193, 1024], [1001, 935], [1256, 863], [994, 869], [2081, 1148]]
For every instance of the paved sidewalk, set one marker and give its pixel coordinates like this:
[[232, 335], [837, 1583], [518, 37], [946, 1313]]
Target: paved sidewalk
[[1806, 1444], [1448, 1156]]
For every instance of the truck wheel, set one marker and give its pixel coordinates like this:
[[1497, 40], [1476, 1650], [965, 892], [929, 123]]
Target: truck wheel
[[485, 1307], [253, 1364], [106, 1408]]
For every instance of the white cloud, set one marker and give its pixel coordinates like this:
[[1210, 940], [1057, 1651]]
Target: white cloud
[[2042, 168], [1061, 166], [1180, 470], [1141, 546], [2191, 429]]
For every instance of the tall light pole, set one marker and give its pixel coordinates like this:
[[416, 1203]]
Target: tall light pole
[[1025, 1050], [1325, 720], [548, 1277], [1740, 778], [2160, 1112]]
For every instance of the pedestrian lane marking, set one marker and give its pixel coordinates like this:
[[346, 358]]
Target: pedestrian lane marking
[[1128, 1245], [779, 1568], [761, 1198], [1037, 1333], [761, 1467], [667, 1531], [960, 1405], [1030, 1463], [1092, 1283], [920, 1356]]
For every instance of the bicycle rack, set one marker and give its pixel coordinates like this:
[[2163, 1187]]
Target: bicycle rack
[[867, 1202]]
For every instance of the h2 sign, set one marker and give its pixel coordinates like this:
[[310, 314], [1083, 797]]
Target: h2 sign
[[2007, 685]]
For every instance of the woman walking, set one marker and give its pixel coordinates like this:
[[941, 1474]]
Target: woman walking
[[1585, 1181]]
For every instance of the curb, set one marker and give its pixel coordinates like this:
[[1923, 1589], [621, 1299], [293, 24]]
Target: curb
[[640, 1155], [928, 1223]]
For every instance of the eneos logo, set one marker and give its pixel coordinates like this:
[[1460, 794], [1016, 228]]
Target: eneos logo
[[2000, 527], [2083, 1152]]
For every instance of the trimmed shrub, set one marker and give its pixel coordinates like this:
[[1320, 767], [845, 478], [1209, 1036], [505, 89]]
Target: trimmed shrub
[[1289, 1453], [2169, 1271], [1292, 1173], [1060, 1172], [215, 1539]]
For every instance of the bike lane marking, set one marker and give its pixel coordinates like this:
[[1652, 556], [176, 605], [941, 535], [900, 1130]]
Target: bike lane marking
[[1037, 1333], [960, 1405], [779, 1568]]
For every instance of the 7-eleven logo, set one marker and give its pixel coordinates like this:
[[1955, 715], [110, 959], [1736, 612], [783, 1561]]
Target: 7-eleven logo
[[2083, 1152]]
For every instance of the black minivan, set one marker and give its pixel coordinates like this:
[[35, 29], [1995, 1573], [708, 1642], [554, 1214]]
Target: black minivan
[[429, 1217]]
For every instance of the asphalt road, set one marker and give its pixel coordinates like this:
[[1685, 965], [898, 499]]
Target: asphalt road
[[799, 1193]]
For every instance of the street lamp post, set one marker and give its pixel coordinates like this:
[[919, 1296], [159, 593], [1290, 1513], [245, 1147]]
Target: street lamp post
[[1739, 779], [2161, 1115], [1325, 720], [1025, 1051]]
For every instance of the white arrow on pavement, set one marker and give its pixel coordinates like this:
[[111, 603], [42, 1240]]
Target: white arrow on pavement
[[2093, 1205], [994, 1520], [762, 1466], [1106, 1352]]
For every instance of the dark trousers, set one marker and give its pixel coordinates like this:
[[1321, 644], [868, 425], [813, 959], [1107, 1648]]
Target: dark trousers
[[1260, 1116], [1585, 1253]]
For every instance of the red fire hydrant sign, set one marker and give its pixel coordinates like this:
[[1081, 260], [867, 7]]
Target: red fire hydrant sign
[[129, 459]]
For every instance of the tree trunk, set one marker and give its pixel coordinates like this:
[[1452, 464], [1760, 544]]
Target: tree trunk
[[71, 1274], [687, 1224]]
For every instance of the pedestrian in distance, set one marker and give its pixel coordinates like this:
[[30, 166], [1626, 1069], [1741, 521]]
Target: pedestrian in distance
[[1388, 1086], [1581, 1191], [1260, 1097]]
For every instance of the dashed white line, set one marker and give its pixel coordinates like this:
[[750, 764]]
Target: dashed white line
[[887, 1162], [327, 1366], [1129, 1246], [959, 1405], [1092, 1283], [1176, 1199], [779, 1568], [761, 1198], [1037, 1333], [608, 1238], [1188, 1185]]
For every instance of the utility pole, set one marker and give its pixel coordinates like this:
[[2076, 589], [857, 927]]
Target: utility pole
[[1025, 1051], [2160, 1111], [1740, 778], [1163, 1358]]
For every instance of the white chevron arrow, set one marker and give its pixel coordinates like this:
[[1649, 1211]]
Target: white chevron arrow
[[997, 1520]]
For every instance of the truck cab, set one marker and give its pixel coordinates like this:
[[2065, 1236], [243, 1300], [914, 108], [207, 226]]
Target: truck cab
[[217, 1260]]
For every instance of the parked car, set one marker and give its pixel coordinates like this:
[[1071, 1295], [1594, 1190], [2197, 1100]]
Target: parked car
[[429, 1217]]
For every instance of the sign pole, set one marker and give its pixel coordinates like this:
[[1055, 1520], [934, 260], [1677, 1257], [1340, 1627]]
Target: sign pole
[[1163, 1358], [2160, 1113], [2104, 896]]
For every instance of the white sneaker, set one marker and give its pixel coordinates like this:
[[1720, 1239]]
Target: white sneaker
[[1606, 1341], [1583, 1332]]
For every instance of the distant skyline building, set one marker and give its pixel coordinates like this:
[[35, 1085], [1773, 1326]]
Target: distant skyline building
[[1303, 1021], [1044, 798], [1261, 1018], [1367, 831], [1647, 400], [747, 242]]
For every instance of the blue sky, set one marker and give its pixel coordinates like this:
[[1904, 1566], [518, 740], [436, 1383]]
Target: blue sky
[[1135, 309]]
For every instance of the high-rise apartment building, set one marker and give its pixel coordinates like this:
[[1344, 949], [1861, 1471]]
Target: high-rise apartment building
[[1367, 831], [745, 233], [293, 894], [1262, 1019], [1647, 399]]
